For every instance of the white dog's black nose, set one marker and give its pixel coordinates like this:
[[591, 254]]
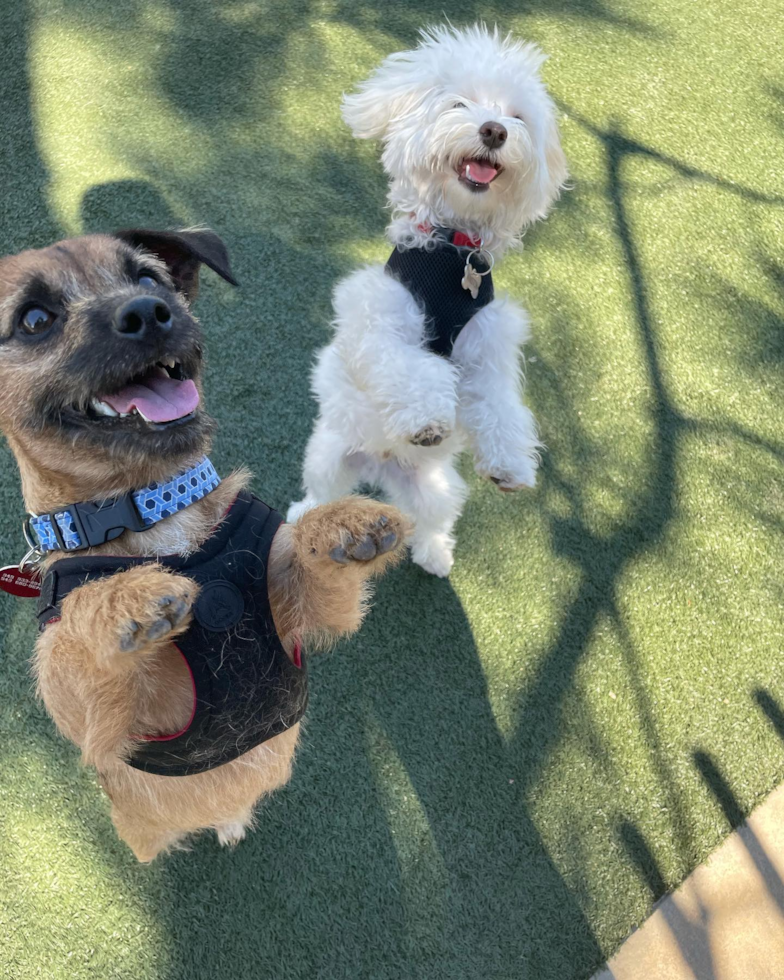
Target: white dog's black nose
[[142, 315], [493, 134]]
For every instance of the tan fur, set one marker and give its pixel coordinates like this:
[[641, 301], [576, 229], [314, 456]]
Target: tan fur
[[103, 680]]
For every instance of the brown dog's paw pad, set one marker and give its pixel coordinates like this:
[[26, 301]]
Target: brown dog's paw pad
[[352, 550], [129, 637], [365, 549], [339, 554], [431, 435], [174, 609], [379, 538], [387, 542], [157, 615], [159, 629], [133, 636]]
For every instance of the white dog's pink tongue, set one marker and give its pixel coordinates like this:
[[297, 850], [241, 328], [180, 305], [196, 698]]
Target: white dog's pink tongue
[[157, 398], [480, 173]]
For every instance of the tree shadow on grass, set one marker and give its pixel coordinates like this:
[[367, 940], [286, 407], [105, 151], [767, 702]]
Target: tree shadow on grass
[[720, 788], [691, 937], [602, 559], [209, 56], [125, 204], [26, 220], [772, 710]]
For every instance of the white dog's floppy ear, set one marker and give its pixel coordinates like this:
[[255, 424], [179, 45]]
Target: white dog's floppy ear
[[552, 171], [393, 89]]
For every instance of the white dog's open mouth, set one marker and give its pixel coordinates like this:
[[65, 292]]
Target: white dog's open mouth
[[477, 175]]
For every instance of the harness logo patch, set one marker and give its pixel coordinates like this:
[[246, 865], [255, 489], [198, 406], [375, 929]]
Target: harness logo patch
[[219, 607]]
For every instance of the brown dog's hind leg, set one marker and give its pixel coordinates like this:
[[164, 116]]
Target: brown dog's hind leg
[[145, 841], [320, 566]]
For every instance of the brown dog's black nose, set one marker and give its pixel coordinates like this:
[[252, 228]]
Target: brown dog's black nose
[[493, 134], [142, 315]]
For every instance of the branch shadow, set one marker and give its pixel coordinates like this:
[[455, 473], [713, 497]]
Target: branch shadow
[[625, 146], [692, 938], [602, 559], [772, 709], [716, 782]]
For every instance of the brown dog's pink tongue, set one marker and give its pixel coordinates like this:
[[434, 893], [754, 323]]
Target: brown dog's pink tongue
[[158, 399], [480, 173]]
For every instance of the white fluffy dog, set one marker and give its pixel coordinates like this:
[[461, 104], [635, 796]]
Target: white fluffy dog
[[472, 149]]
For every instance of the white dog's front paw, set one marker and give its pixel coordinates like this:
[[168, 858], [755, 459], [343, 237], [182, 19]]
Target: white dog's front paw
[[420, 425], [431, 435], [435, 555]]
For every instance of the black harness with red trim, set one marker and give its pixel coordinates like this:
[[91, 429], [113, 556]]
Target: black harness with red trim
[[434, 276], [246, 689]]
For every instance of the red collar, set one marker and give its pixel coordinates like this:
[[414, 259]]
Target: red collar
[[458, 238]]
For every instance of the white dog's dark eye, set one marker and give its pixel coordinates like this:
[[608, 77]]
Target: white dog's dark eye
[[520, 119], [459, 105], [37, 321], [147, 279]]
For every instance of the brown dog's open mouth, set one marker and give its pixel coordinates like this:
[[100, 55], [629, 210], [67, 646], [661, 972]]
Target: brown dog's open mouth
[[156, 398], [477, 174]]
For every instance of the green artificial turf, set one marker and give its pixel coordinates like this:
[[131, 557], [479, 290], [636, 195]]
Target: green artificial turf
[[503, 771]]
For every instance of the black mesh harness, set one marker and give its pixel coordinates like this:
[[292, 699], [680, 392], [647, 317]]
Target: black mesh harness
[[434, 277], [245, 687]]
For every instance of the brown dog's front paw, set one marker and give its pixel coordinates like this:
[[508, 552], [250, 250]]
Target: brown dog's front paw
[[164, 611], [353, 532], [431, 435]]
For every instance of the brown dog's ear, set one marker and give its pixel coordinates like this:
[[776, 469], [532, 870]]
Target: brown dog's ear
[[183, 252]]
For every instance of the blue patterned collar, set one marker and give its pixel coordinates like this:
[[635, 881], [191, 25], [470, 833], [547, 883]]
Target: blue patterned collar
[[86, 525]]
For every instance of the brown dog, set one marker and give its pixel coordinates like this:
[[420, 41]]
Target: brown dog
[[80, 321]]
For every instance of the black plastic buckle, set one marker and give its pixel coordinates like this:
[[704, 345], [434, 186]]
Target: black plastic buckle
[[98, 523]]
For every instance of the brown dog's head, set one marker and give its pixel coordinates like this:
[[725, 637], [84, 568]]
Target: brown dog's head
[[100, 358]]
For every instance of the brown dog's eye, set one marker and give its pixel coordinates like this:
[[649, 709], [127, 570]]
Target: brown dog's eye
[[147, 280], [37, 321]]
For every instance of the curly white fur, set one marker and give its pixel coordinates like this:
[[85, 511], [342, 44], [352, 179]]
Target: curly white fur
[[377, 386]]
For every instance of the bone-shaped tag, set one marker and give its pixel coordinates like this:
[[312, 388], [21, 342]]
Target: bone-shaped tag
[[471, 279]]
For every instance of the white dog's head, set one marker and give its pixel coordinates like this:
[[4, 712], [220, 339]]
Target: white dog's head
[[469, 131]]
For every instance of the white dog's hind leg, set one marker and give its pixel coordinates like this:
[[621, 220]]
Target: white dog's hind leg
[[501, 429], [328, 472], [433, 495]]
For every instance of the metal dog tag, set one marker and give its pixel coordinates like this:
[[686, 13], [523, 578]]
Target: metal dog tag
[[471, 279]]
